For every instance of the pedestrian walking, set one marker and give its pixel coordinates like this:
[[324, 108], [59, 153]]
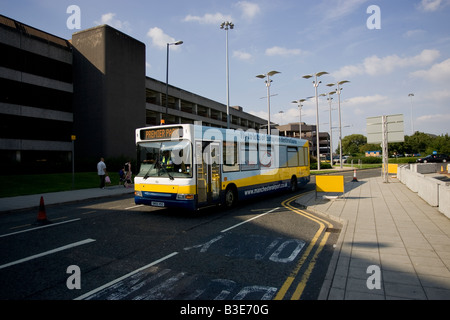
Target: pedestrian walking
[[101, 171], [128, 175]]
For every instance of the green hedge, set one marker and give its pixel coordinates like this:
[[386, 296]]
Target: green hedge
[[323, 165], [364, 160]]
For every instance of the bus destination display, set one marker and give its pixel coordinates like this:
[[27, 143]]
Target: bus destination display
[[162, 133]]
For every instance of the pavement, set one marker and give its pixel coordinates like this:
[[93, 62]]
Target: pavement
[[53, 198], [392, 245]]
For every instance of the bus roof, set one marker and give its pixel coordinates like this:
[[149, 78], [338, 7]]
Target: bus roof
[[167, 132]]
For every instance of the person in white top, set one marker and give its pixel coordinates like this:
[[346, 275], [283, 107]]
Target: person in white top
[[101, 171]]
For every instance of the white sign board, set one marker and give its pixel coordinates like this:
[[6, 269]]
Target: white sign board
[[394, 127]]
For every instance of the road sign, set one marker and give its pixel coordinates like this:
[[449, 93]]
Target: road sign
[[394, 128], [383, 130]]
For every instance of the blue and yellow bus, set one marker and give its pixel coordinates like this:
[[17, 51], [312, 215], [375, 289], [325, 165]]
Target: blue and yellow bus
[[193, 166]]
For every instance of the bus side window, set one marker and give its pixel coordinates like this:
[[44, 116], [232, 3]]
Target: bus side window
[[283, 158], [303, 156], [292, 157], [230, 156], [249, 156]]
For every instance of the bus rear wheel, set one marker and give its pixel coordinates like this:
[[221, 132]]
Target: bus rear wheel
[[230, 197]]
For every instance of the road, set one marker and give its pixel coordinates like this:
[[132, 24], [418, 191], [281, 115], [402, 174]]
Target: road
[[111, 249]]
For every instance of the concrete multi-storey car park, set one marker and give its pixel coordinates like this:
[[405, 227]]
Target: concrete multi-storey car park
[[92, 87], [36, 109]]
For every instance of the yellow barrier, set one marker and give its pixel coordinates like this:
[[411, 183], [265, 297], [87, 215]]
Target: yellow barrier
[[392, 168], [329, 184]]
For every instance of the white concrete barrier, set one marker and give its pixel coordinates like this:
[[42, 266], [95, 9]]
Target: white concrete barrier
[[424, 167], [413, 180], [444, 199], [433, 191], [428, 190]]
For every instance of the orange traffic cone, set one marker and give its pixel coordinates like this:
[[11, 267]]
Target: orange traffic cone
[[42, 216], [354, 176]]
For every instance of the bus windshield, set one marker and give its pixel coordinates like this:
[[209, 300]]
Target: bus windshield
[[172, 159]]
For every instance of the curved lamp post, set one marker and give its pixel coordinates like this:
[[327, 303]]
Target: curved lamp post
[[167, 74], [316, 84], [268, 81], [338, 91], [227, 25], [331, 132], [412, 123], [300, 106]]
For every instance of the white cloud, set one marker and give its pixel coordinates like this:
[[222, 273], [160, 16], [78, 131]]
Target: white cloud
[[260, 114], [280, 51], [363, 104], [357, 101], [109, 19], [438, 72], [208, 18], [438, 96], [249, 9], [339, 9], [348, 71], [378, 66], [160, 39], [241, 55], [414, 33], [429, 5], [433, 118]]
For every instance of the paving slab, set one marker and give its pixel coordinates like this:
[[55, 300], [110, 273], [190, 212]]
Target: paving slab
[[388, 226]]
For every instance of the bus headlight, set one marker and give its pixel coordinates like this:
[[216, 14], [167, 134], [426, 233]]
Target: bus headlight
[[182, 196], [138, 193]]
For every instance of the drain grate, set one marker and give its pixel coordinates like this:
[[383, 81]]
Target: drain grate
[[333, 230]]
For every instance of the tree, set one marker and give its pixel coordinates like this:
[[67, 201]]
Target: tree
[[417, 143], [369, 147], [440, 144], [352, 143]]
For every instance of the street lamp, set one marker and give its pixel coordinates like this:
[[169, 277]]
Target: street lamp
[[331, 132], [338, 91], [227, 25], [268, 81], [316, 84], [167, 74], [412, 123], [281, 115], [300, 105]]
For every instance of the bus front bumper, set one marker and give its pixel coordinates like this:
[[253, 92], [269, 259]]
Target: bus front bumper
[[170, 200]]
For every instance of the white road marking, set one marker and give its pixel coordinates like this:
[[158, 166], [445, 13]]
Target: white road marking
[[75, 244], [139, 205], [37, 228], [241, 223], [124, 277]]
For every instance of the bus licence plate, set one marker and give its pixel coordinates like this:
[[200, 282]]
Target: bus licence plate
[[157, 204]]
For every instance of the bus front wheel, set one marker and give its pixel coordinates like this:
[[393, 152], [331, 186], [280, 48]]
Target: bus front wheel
[[294, 185], [230, 197]]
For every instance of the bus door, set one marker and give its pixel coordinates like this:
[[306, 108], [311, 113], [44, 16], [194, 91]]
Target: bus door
[[208, 172]]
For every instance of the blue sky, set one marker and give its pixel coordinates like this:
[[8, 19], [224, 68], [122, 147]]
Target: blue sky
[[410, 53]]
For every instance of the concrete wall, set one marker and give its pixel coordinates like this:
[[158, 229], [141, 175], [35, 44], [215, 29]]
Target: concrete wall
[[444, 200], [428, 190], [424, 167], [433, 191], [109, 91]]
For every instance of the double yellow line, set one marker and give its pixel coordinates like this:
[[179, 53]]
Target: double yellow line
[[323, 224]]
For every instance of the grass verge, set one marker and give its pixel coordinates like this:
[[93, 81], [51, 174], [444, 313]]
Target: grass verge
[[19, 185]]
